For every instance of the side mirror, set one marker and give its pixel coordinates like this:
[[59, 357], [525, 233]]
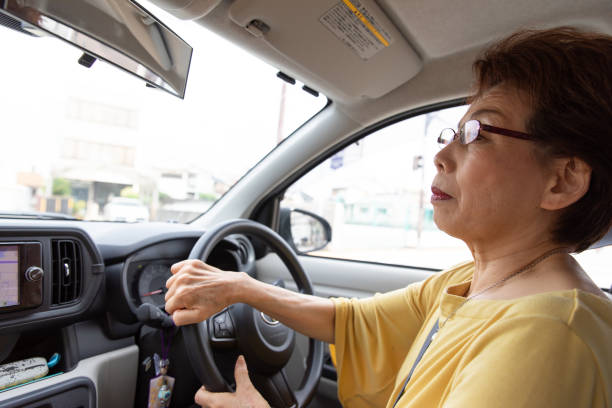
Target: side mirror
[[304, 231]]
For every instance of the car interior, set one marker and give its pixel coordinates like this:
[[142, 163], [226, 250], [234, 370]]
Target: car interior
[[88, 296]]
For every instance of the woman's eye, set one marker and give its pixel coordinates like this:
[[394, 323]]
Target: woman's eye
[[479, 138]]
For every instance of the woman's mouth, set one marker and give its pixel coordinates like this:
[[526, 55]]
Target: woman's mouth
[[439, 195]]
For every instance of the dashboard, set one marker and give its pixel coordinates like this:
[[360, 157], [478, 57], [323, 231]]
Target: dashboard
[[74, 288], [87, 267]]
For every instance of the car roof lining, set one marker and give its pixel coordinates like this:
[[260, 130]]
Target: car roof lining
[[428, 62]]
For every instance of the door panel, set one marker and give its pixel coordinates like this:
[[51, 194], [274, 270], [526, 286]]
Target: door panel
[[336, 277]]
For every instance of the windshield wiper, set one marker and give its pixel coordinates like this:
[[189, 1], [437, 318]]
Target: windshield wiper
[[37, 215]]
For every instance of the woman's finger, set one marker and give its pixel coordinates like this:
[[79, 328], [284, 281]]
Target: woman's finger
[[205, 398], [170, 281], [241, 374], [179, 269], [179, 281], [181, 317], [189, 267], [202, 397], [177, 266], [174, 303]]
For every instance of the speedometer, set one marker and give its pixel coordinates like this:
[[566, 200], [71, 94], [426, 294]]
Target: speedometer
[[152, 284]]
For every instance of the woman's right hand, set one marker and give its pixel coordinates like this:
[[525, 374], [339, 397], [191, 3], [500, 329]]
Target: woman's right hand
[[196, 291]]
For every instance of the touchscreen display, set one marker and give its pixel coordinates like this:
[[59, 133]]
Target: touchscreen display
[[9, 275]]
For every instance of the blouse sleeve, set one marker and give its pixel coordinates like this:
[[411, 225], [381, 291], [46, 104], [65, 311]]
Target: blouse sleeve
[[528, 362], [372, 338]]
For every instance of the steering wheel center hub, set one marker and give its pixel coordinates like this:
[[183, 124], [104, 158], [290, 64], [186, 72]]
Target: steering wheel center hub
[[266, 343]]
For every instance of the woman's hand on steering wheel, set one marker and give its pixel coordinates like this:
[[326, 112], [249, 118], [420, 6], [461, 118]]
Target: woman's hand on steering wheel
[[197, 291]]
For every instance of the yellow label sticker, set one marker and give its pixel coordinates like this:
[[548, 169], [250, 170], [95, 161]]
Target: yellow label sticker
[[366, 22], [356, 26]]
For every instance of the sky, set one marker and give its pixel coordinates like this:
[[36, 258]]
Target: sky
[[226, 123]]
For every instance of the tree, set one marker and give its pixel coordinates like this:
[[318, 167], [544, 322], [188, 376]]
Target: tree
[[129, 192], [61, 187]]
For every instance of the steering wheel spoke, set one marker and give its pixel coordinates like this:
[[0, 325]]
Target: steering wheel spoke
[[275, 389]]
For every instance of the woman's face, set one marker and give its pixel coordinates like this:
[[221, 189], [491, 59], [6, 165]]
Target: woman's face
[[493, 185]]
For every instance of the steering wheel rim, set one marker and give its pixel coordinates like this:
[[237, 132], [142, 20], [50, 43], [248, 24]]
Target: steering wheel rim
[[273, 386]]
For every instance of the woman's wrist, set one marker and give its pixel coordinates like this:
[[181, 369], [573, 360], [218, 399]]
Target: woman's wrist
[[240, 288]]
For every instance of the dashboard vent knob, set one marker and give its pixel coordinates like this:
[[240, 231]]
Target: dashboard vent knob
[[34, 273], [67, 271]]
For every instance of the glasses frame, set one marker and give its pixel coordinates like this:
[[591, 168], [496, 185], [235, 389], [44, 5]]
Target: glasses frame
[[487, 128]]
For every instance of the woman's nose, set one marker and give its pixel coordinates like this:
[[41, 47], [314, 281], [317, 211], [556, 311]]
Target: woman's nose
[[442, 160]]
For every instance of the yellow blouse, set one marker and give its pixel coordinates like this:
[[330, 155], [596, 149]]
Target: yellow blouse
[[551, 349]]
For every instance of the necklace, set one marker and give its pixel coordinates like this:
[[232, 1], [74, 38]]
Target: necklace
[[520, 270]]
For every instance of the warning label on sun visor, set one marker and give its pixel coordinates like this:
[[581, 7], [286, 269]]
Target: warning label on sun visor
[[354, 25]]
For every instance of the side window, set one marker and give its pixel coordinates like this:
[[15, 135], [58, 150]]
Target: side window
[[375, 195]]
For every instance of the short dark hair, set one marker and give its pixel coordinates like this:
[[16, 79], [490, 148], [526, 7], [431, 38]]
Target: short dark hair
[[567, 75]]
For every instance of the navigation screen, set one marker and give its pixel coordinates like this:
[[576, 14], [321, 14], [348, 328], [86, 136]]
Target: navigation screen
[[9, 275]]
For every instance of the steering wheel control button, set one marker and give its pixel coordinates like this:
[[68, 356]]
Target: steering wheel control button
[[34, 273], [223, 326], [221, 330]]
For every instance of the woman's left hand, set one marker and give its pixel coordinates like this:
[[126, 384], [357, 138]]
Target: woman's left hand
[[246, 396]]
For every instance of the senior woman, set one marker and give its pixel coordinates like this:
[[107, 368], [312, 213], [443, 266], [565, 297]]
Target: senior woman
[[526, 180]]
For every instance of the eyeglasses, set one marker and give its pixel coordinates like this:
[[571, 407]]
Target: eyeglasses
[[470, 131]]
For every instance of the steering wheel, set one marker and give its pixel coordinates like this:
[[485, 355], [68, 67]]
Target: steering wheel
[[265, 343]]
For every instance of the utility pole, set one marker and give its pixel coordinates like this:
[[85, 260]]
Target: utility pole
[[281, 113]]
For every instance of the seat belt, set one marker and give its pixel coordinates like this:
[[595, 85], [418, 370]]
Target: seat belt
[[426, 344]]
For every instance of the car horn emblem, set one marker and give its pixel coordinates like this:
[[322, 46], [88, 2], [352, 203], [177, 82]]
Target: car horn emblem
[[269, 320]]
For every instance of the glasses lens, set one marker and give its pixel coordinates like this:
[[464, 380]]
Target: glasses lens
[[446, 136], [470, 131]]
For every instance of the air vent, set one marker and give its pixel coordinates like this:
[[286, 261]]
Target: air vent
[[67, 271]]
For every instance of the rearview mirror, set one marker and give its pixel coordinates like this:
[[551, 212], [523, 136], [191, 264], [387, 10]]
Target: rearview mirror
[[303, 230], [117, 31]]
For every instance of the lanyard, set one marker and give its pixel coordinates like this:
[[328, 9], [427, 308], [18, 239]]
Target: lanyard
[[165, 345], [426, 344]]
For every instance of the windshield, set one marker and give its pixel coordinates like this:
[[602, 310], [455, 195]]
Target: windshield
[[97, 144]]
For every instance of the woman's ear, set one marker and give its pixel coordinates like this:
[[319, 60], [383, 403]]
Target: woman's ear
[[569, 181]]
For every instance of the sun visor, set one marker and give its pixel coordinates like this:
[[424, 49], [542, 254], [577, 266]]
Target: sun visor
[[343, 47], [187, 9]]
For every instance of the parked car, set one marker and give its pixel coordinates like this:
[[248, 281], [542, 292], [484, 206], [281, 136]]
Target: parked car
[[125, 210], [325, 136]]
